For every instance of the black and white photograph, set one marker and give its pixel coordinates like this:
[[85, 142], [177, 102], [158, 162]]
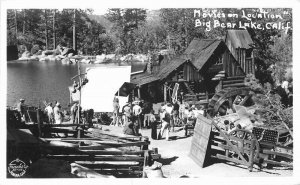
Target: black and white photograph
[[118, 92]]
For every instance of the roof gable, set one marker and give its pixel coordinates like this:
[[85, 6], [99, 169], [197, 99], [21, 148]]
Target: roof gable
[[170, 67], [200, 50], [143, 78], [239, 39]]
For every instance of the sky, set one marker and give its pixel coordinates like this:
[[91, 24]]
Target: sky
[[100, 11]]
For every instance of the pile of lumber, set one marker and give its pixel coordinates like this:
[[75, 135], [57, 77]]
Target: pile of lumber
[[120, 156]]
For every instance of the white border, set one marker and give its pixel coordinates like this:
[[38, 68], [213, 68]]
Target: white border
[[150, 4]]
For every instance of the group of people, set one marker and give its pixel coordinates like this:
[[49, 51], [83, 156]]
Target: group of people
[[54, 113], [139, 114], [133, 116], [177, 113]]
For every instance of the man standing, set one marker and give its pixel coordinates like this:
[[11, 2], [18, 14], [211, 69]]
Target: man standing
[[73, 112], [21, 109], [57, 114], [127, 112], [169, 110], [147, 113], [49, 111], [137, 110]]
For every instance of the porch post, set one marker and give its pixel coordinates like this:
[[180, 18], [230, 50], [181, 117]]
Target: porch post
[[165, 91], [139, 92]]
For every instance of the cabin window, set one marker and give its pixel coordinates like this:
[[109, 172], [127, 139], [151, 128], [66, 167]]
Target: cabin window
[[219, 60], [248, 53]]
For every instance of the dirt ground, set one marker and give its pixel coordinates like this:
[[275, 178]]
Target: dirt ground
[[177, 163]]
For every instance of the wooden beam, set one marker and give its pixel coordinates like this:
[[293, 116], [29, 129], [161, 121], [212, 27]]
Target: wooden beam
[[139, 92], [141, 143], [277, 153], [92, 147], [219, 156], [95, 158], [106, 165], [165, 92], [234, 148], [39, 122], [279, 163]]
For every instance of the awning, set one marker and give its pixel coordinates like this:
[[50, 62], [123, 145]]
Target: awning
[[125, 89]]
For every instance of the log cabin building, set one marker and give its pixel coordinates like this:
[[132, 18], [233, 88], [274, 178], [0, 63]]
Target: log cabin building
[[207, 66]]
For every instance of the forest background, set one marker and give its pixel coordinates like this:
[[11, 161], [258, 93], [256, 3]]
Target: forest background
[[138, 31]]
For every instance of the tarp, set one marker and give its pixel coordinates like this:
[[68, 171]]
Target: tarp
[[125, 89], [104, 82]]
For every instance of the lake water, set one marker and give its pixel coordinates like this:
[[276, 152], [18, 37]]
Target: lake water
[[39, 81]]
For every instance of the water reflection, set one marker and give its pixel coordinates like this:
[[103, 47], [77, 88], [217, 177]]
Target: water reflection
[[45, 81]]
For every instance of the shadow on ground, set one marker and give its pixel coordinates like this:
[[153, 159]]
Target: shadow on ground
[[178, 137], [167, 161]]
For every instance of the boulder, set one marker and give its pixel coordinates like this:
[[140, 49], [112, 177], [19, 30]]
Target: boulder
[[100, 59], [66, 61], [48, 52], [66, 51], [26, 54], [140, 57]]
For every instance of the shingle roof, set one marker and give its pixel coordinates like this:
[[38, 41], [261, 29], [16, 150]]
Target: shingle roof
[[143, 78], [239, 38], [170, 67], [200, 50]]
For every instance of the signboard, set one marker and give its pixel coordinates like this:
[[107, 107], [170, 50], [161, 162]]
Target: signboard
[[200, 140]]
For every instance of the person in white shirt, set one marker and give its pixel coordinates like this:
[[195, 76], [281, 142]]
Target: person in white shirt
[[57, 114], [166, 117], [50, 114], [136, 110]]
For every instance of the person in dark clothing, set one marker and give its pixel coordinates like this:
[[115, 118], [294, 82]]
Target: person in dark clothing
[[129, 127], [148, 107]]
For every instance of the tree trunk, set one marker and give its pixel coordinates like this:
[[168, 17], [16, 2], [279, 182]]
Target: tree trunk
[[46, 29], [16, 25], [185, 29], [24, 22], [54, 31], [74, 31], [136, 18]]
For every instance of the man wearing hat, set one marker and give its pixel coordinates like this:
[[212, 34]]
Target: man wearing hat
[[21, 108]]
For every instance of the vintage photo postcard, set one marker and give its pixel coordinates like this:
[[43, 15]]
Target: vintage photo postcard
[[137, 91]]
